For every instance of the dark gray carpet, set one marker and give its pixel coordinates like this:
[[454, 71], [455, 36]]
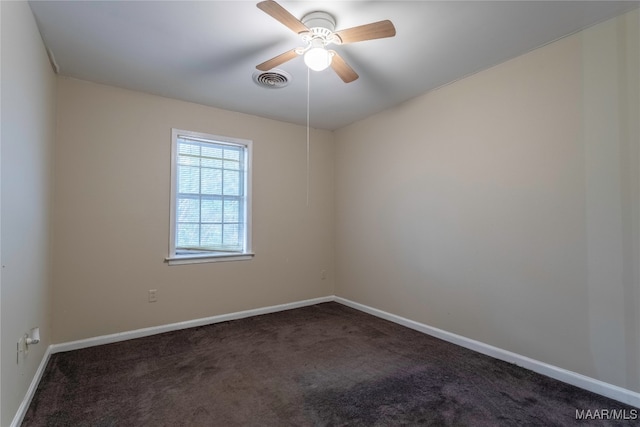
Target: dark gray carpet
[[321, 365]]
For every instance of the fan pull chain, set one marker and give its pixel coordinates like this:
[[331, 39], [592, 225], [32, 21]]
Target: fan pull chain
[[308, 91]]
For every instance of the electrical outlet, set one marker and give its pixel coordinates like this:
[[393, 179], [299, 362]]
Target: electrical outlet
[[323, 274], [153, 295]]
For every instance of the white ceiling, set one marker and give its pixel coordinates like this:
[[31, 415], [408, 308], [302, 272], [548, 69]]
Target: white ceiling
[[206, 52]]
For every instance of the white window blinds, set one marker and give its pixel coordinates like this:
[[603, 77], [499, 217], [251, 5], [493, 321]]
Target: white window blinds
[[210, 204]]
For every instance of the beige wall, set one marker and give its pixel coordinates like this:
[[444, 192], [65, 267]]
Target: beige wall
[[27, 137], [505, 207], [111, 214]]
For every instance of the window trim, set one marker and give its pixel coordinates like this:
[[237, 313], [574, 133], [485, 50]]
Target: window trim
[[195, 257]]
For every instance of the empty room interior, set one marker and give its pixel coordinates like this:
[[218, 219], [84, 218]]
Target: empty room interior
[[465, 171]]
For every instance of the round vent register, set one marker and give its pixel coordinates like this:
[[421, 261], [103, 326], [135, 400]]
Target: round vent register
[[272, 79]]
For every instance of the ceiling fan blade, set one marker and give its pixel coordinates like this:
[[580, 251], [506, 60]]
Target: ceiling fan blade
[[375, 30], [277, 60], [279, 13], [342, 69]]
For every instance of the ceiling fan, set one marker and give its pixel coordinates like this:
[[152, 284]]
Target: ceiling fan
[[317, 30]]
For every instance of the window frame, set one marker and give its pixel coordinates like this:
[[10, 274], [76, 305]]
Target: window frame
[[196, 257]]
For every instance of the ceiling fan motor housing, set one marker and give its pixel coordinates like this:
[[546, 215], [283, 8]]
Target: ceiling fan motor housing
[[320, 23]]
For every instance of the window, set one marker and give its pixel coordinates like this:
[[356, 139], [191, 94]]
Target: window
[[210, 198]]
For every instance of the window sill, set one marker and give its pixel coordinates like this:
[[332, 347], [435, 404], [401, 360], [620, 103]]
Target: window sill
[[202, 258]]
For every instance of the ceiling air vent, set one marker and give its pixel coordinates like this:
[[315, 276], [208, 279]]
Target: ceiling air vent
[[272, 79]]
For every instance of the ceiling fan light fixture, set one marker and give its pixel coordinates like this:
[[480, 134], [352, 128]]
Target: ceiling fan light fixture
[[318, 58], [317, 30]]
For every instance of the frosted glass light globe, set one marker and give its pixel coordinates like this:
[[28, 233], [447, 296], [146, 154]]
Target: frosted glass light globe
[[317, 58]]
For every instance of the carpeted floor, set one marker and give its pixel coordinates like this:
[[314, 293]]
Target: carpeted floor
[[320, 365]]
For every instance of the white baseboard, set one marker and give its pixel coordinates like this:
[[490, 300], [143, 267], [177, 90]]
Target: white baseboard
[[24, 405], [605, 389], [139, 333], [145, 332], [587, 383]]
